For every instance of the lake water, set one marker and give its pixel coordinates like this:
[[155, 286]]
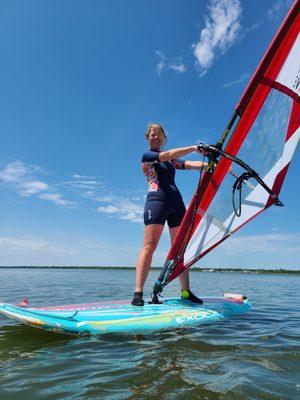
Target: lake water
[[254, 356]]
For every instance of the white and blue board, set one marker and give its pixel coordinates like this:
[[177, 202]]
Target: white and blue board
[[121, 316]]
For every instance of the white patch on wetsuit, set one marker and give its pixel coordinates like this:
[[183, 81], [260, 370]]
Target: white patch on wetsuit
[[149, 214]]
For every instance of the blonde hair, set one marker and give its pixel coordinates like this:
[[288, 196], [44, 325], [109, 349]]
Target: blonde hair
[[159, 130]]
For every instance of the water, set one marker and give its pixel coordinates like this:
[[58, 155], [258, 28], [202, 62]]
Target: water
[[255, 356]]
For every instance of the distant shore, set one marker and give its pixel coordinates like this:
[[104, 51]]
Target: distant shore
[[198, 269]]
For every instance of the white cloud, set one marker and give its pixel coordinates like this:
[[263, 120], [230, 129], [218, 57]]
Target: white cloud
[[56, 198], [279, 9], [63, 250], [82, 186], [77, 176], [33, 187], [272, 243], [22, 179], [108, 209], [179, 67], [274, 11], [30, 244], [106, 198], [13, 172], [123, 208], [222, 26], [254, 26], [86, 180], [241, 79], [164, 64]]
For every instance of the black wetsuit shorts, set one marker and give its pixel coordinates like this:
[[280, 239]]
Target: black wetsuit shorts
[[159, 212]]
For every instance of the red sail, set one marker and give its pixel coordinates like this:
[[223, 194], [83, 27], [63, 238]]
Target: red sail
[[265, 136]]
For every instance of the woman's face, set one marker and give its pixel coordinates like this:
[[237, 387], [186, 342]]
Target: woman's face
[[155, 140]]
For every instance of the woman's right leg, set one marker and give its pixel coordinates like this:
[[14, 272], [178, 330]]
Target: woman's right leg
[[152, 235]]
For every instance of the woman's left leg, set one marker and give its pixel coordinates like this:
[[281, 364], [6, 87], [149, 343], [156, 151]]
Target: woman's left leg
[[184, 276]]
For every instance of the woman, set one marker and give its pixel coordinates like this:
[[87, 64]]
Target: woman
[[163, 203]]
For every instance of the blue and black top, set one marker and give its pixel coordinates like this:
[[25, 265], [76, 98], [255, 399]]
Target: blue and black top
[[164, 201]]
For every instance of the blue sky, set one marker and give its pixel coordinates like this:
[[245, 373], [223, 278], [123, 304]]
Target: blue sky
[[80, 81]]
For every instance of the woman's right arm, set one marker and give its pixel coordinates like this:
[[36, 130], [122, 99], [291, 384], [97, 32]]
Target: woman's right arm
[[176, 153]]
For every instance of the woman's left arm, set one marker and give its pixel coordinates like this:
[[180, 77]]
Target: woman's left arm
[[196, 165]]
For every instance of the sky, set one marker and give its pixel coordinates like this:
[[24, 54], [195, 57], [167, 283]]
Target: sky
[[80, 81]]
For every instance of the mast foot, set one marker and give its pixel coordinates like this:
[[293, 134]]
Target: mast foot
[[155, 299]]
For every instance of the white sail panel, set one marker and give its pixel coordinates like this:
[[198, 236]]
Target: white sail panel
[[211, 231], [289, 75]]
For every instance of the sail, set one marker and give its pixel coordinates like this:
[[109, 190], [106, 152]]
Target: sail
[[265, 138]]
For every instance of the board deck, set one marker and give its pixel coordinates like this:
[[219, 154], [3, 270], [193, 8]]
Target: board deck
[[121, 316]]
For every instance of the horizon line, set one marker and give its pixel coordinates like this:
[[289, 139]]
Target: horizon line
[[197, 269]]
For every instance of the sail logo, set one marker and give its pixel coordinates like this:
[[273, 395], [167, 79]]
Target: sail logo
[[296, 84]]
